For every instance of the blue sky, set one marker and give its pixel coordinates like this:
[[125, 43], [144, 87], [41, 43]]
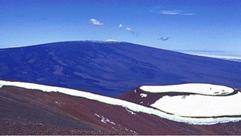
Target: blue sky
[[212, 25]]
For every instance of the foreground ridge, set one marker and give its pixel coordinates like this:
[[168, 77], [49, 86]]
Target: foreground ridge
[[129, 105]]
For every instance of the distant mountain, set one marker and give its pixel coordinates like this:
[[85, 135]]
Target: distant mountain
[[111, 68]]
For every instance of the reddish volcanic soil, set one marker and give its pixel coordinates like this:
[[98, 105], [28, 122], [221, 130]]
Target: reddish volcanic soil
[[25, 111], [135, 97]]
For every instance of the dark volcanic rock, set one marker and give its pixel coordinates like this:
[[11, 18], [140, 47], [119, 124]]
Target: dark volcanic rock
[[111, 68], [150, 98], [26, 111]]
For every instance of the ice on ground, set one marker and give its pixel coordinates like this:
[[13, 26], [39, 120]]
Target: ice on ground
[[104, 120], [200, 105], [131, 112], [143, 95], [132, 106], [198, 88]]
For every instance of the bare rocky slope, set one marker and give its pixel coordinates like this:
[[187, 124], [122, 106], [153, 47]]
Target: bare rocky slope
[[25, 111]]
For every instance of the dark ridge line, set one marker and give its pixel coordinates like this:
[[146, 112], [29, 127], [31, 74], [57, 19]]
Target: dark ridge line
[[169, 113]]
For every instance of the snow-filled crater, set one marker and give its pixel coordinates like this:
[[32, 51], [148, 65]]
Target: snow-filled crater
[[176, 109], [197, 88], [203, 100]]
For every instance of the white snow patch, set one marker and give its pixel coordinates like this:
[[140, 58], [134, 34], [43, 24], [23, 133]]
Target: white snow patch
[[97, 115], [200, 105], [113, 101], [111, 40], [104, 120], [130, 111], [133, 131], [143, 95], [199, 88]]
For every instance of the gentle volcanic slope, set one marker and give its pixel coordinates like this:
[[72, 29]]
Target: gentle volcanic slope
[[131, 106], [111, 68], [29, 112]]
